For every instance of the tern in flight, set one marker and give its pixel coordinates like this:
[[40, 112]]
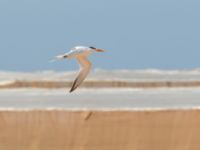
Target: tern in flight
[[80, 53]]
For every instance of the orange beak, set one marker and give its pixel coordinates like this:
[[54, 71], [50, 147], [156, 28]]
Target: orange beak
[[99, 50]]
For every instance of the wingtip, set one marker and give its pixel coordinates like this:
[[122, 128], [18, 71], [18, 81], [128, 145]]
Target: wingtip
[[71, 90]]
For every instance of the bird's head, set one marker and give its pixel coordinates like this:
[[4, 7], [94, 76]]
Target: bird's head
[[97, 49]]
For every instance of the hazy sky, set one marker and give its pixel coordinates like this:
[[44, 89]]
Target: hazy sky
[[138, 34]]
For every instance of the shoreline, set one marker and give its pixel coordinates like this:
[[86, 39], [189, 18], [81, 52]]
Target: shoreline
[[100, 84]]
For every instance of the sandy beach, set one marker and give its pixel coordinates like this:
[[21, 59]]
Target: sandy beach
[[99, 130], [106, 119], [156, 110]]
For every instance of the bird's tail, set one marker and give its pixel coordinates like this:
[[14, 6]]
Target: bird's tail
[[59, 57]]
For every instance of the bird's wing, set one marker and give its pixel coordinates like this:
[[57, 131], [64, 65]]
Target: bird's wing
[[85, 66]]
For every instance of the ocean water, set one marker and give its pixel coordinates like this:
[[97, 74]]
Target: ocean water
[[119, 75], [101, 99]]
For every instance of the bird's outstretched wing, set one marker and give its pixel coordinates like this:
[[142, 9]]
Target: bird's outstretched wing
[[85, 66]]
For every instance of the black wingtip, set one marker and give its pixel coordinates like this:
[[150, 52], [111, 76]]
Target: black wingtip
[[73, 86], [71, 91]]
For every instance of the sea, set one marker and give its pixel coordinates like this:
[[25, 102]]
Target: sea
[[101, 98]]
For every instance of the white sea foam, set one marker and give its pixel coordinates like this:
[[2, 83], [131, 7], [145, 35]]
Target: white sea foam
[[6, 82], [99, 74]]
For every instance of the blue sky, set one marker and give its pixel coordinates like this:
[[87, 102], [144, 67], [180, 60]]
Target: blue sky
[[138, 34]]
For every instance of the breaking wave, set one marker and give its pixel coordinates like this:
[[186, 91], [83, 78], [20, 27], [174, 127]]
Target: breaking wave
[[102, 78]]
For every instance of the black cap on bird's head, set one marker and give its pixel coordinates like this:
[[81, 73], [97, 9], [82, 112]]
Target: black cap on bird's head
[[97, 49], [92, 47]]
